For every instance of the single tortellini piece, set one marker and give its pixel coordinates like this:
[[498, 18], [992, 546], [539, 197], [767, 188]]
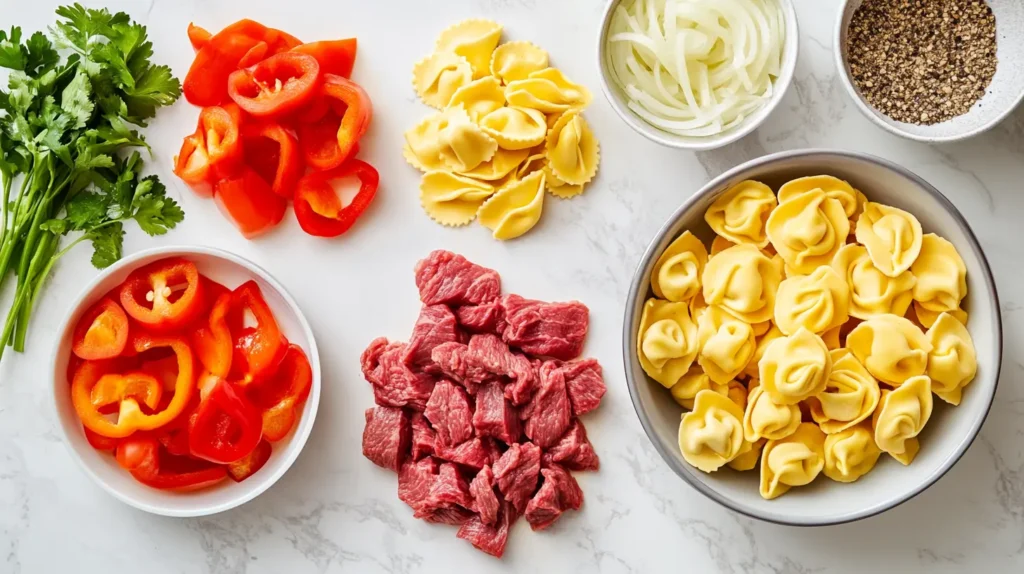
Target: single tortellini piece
[[676, 275], [765, 419], [514, 209], [794, 368], [515, 128], [694, 381], [770, 335], [851, 394], [892, 348], [711, 435], [463, 145], [927, 317], [437, 77], [941, 275], [749, 459], [892, 237], [795, 460], [547, 90], [501, 165], [817, 302], [808, 230], [852, 200], [513, 61], [423, 141], [479, 98], [739, 215], [727, 345], [850, 454], [474, 40], [953, 361], [559, 188], [742, 281], [872, 292], [573, 151], [900, 417], [451, 199], [667, 342]]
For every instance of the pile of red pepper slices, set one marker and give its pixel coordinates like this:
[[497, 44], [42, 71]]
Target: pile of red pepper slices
[[187, 381], [274, 109]]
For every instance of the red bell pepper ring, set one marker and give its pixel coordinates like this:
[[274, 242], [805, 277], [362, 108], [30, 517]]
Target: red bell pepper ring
[[100, 442], [141, 456], [250, 463], [114, 388], [174, 435], [335, 56], [192, 164], [331, 140], [284, 394], [318, 207], [257, 350], [254, 56], [273, 152], [164, 295], [227, 426], [102, 332], [198, 36], [213, 343], [214, 150], [249, 202], [207, 78], [276, 86]]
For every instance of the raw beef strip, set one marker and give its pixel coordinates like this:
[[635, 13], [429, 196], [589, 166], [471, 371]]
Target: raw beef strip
[[444, 277], [485, 501], [521, 389], [490, 353], [448, 411], [423, 437], [450, 359], [548, 329], [490, 538], [485, 318], [549, 412], [386, 436], [494, 416], [573, 450], [558, 493], [516, 473], [494, 452], [415, 479], [394, 385], [473, 453], [435, 325], [448, 500], [585, 383]]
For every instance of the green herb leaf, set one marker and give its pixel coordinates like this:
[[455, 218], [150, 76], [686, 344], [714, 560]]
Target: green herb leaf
[[12, 54], [41, 55], [76, 100], [87, 210], [154, 211], [107, 243], [56, 226]]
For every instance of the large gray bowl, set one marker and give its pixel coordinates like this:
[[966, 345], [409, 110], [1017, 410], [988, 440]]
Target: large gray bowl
[[951, 429]]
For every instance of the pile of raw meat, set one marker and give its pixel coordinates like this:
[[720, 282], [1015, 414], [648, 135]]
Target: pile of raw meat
[[477, 413]]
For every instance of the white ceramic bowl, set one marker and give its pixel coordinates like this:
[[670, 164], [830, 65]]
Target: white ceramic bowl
[[1003, 95], [617, 98], [231, 271], [951, 429]]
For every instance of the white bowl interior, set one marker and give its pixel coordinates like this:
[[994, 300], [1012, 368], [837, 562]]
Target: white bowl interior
[[950, 430], [617, 97], [1003, 94], [231, 271]]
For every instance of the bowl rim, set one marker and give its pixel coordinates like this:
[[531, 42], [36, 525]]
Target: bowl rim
[[839, 58], [295, 443], [638, 288], [789, 62]]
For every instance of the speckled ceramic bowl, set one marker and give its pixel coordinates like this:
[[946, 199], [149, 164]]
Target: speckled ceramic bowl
[[951, 429], [1003, 95]]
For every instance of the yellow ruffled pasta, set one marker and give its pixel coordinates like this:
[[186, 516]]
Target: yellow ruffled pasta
[[515, 128], [872, 292], [851, 394], [953, 361], [792, 461], [514, 209], [743, 282], [795, 367], [727, 345], [463, 145], [891, 348], [479, 98], [437, 77], [451, 199], [901, 416], [547, 90], [667, 342], [474, 40], [513, 61], [941, 278], [808, 230], [559, 188], [711, 435], [502, 164], [892, 237], [676, 274], [817, 302], [422, 142], [850, 454], [572, 149], [739, 215]]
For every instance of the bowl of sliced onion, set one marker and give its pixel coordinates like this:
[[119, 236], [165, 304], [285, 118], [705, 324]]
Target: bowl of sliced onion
[[697, 74]]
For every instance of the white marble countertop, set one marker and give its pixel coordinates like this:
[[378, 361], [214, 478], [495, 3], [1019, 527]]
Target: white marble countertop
[[334, 511]]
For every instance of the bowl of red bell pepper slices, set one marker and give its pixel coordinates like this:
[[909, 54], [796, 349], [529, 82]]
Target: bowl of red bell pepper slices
[[185, 370], [280, 121]]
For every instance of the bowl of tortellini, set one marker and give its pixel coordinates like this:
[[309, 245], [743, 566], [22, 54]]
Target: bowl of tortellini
[[813, 338]]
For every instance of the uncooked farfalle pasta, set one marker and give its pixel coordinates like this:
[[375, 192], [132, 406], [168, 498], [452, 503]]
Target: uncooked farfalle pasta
[[509, 131], [812, 335]]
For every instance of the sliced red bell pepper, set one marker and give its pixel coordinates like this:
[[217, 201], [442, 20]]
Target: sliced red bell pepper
[[142, 457], [329, 141], [254, 56], [214, 150], [250, 463], [174, 435], [260, 349], [250, 203], [314, 111], [102, 332], [283, 395], [192, 164], [114, 388], [276, 86], [207, 78], [319, 137], [139, 455], [273, 152], [318, 207], [198, 36], [213, 343], [100, 442], [227, 425], [335, 56], [164, 295]]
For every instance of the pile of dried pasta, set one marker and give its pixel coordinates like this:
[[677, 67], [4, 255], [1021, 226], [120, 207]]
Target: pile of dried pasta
[[839, 314]]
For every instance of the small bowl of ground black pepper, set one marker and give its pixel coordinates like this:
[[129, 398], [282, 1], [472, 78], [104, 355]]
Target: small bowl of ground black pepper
[[932, 70]]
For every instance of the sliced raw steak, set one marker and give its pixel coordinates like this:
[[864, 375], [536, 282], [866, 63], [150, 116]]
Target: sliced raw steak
[[423, 437], [474, 453], [436, 325], [494, 416], [450, 359], [449, 412], [485, 318], [386, 436], [516, 473], [558, 493], [490, 353], [415, 479], [585, 382], [573, 450], [485, 500], [549, 412], [490, 538], [548, 329], [448, 499], [394, 385], [444, 277]]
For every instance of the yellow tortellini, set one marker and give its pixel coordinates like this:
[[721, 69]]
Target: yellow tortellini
[[852, 200], [762, 344], [817, 302], [739, 214], [479, 98], [547, 90], [501, 165], [892, 348], [941, 277], [474, 40], [559, 188], [851, 394], [451, 199], [515, 128], [850, 454], [676, 274], [749, 459], [711, 435], [892, 237], [794, 368], [808, 230], [901, 416], [872, 292], [726, 345], [765, 419], [517, 60], [572, 149], [514, 209], [720, 244], [953, 361], [423, 141], [667, 342], [685, 390], [463, 145], [792, 461], [437, 77], [743, 282]]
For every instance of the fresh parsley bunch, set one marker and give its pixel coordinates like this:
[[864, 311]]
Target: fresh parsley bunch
[[66, 135]]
